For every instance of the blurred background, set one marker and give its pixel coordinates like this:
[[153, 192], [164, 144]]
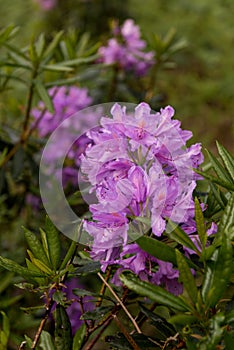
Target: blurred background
[[200, 87]]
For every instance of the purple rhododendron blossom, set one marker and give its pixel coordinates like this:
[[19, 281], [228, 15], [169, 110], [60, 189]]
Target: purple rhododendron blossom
[[126, 49], [67, 101], [137, 165]]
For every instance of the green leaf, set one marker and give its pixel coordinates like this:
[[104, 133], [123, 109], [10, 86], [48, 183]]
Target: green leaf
[[79, 338], [153, 292], [220, 171], [7, 33], [36, 247], [217, 194], [200, 224], [40, 45], [14, 267], [228, 340], [88, 268], [53, 243], [52, 46], [182, 320], [218, 181], [46, 341], [59, 297], [43, 94], [227, 221], [83, 292], [72, 249], [5, 331], [70, 253], [29, 341], [178, 235], [230, 317], [227, 159], [157, 248], [161, 324], [78, 61], [215, 335], [186, 277], [38, 263], [6, 280], [56, 68], [218, 275], [7, 302], [63, 332], [97, 314]]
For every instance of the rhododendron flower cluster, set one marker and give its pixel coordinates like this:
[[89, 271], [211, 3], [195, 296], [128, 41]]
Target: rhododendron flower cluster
[[140, 171], [126, 49], [67, 101]]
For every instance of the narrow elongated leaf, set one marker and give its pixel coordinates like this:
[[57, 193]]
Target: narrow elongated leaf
[[88, 268], [217, 276], [78, 61], [79, 338], [230, 317], [36, 247], [20, 270], [38, 280], [5, 331], [227, 220], [56, 68], [71, 251], [61, 82], [63, 333], [6, 280], [200, 223], [160, 250], [218, 168], [225, 184], [45, 243], [186, 277], [53, 243], [40, 45], [52, 46], [165, 328], [222, 202], [42, 92], [17, 51], [157, 248], [46, 341], [227, 159], [97, 313], [7, 33], [153, 292], [180, 236], [38, 263], [182, 320]]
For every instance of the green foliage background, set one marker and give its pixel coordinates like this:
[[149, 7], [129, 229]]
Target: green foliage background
[[200, 87]]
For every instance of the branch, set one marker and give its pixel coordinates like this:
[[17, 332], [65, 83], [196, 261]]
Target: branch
[[121, 303]]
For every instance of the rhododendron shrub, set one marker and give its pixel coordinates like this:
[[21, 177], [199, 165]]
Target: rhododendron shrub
[[136, 250]]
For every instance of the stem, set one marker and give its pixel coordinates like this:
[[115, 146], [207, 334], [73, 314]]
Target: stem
[[103, 288], [126, 334], [113, 83], [150, 91], [42, 324], [121, 303], [92, 343], [28, 109]]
